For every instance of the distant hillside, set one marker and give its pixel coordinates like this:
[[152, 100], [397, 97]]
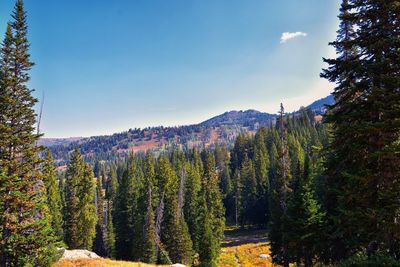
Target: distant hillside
[[221, 130], [58, 141], [319, 106], [244, 118]]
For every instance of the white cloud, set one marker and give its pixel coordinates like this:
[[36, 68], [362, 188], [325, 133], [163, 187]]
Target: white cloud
[[286, 36]]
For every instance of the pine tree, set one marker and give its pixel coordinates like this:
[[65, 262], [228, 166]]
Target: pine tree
[[75, 172], [296, 217], [61, 189], [362, 165], [279, 199], [261, 166], [112, 184], [306, 220], [193, 187], [249, 192], [53, 195], [150, 179], [123, 212], [99, 246], [87, 209], [80, 212], [149, 253], [175, 234], [25, 227], [208, 245], [314, 227], [110, 232], [129, 212], [149, 245], [213, 214]]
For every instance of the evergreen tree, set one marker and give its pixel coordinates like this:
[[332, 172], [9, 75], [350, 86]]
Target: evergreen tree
[[110, 233], [61, 189], [53, 195], [261, 166], [249, 192], [363, 165], [87, 209], [112, 184], [149, 253], [296, 217], [279, 199], [124, 210], [149, 245], [238, 197], [314, 218], [193, 187], [99, 246], [305, 217], [213, 214], [75, 172], [208, 245], [79, 212], [150, 180], [175, 234], [25, 222]]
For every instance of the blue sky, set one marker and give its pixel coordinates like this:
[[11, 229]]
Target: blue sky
[[109, 65]]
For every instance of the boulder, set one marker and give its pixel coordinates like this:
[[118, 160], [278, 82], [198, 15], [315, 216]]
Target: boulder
[[264, 256], [78, 254]]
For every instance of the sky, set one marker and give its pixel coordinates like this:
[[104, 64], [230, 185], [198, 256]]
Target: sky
[[105, 66]]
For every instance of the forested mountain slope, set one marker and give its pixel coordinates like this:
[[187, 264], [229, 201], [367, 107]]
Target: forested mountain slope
[[222, 130]]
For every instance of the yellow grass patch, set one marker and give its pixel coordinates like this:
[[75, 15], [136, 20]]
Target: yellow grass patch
[[246, 255]]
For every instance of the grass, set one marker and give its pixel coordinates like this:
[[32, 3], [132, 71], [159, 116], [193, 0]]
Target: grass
[[241, 248], [99, 262], [245, 255]]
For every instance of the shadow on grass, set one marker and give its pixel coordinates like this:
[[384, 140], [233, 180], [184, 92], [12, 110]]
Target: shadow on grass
[[239, 236]]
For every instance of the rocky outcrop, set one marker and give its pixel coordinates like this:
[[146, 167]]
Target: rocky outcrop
[[78, 254]]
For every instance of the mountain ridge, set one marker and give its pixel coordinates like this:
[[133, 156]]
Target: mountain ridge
[[218, 130]]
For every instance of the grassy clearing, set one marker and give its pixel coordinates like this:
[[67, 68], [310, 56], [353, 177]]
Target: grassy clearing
[[245, 255], [242, 248], [99, 262]]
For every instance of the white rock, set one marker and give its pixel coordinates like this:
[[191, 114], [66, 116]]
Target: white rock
[[264, 256], [78, 254], [178, 265]]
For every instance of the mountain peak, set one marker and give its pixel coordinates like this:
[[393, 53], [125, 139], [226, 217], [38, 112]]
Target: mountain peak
[[241, 117]]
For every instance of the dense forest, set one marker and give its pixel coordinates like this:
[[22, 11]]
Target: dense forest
[[327, 192]]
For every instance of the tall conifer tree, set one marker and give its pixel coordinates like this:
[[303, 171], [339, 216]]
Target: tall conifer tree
[[149, 251], [175, 234], [53, 195], [110, 232], [149, 237], [80, 212], [191, 207], [87, 209], [261, 166], [74, 174], [363, 163], [26, 234], [112, 184], [279, 198], [99, 245], [212, 214], [123, 212]]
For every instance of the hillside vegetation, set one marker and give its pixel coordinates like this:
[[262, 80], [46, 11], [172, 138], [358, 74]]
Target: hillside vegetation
[[220, 130], [326, 187]]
